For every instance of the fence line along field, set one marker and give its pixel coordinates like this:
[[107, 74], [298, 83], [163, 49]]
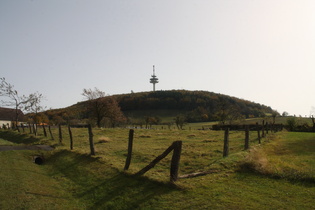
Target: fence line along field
[[202, 150], [253, 178]]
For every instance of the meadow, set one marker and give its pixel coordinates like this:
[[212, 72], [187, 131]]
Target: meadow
[[279, 173]]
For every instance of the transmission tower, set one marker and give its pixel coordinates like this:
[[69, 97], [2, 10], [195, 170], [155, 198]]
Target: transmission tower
[[154, 79]]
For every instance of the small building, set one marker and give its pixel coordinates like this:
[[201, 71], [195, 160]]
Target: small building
[[8, 117]]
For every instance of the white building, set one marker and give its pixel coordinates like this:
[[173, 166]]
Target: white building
[[8, 117]]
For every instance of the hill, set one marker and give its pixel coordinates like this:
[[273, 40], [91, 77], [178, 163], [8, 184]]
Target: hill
[[197, 106], [194, 106]]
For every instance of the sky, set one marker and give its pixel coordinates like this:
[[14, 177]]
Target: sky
[[258, 50]]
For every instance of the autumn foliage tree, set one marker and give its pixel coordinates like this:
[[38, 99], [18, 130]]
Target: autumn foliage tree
[[113, 112], [101, 106]]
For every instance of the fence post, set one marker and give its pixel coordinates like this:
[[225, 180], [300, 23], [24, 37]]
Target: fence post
[[60, 134], [246, 138], [18, 129], [44, 129], [51, 135], [226, 143], [175, 161], [71, 139], [263, 129], [29, 126], [258, 133], [35, 129], [91, 140], [130, 143], [156, 160]]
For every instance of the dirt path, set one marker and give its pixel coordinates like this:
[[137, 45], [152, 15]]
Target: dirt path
[[26, 147]]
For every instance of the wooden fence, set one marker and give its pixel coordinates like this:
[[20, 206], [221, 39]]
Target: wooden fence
[[175, 147]]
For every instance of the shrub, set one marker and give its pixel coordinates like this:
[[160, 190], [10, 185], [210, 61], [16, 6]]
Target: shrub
[[291, 123]]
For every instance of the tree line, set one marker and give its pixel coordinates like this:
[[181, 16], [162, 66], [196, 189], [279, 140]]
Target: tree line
[[199, 106], [195, 106], [98, 109]]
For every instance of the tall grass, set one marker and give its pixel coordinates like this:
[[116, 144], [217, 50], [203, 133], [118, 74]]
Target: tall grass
[[289, 155], [100, 182]]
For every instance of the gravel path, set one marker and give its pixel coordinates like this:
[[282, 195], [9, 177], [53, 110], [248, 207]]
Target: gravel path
[[26, 147]]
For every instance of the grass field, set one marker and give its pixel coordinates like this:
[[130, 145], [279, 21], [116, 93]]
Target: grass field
[[278, 174]]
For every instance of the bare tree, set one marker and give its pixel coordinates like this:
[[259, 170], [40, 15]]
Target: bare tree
[[34, 105], [95, 103], [13, 99]]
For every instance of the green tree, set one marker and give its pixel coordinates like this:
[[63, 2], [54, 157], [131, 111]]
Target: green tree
[[285, 114], [291, 123]]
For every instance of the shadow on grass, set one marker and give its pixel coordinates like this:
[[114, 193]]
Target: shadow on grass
[[302, 147], [18, 138], [125, 192], [99, 185], [291, 175]]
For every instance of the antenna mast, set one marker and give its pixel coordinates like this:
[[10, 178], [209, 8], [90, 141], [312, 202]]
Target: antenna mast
[[154, 79]]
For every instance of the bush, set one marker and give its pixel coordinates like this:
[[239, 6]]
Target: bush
[[291, 123]]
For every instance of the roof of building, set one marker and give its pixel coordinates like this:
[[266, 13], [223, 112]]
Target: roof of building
[[10, 114]]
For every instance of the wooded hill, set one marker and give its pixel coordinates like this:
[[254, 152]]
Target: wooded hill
[[197, 106], [194, 106]]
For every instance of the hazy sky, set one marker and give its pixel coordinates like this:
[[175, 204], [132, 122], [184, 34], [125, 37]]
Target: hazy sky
[[258, 50]]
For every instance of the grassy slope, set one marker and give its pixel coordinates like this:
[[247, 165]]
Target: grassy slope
[[25, 185], [72, 179]]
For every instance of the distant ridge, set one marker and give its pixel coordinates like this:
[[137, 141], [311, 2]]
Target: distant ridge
[[195, 106]]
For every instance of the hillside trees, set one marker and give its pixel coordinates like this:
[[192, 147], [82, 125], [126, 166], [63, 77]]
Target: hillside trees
[[101, 107], [201, 105]]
